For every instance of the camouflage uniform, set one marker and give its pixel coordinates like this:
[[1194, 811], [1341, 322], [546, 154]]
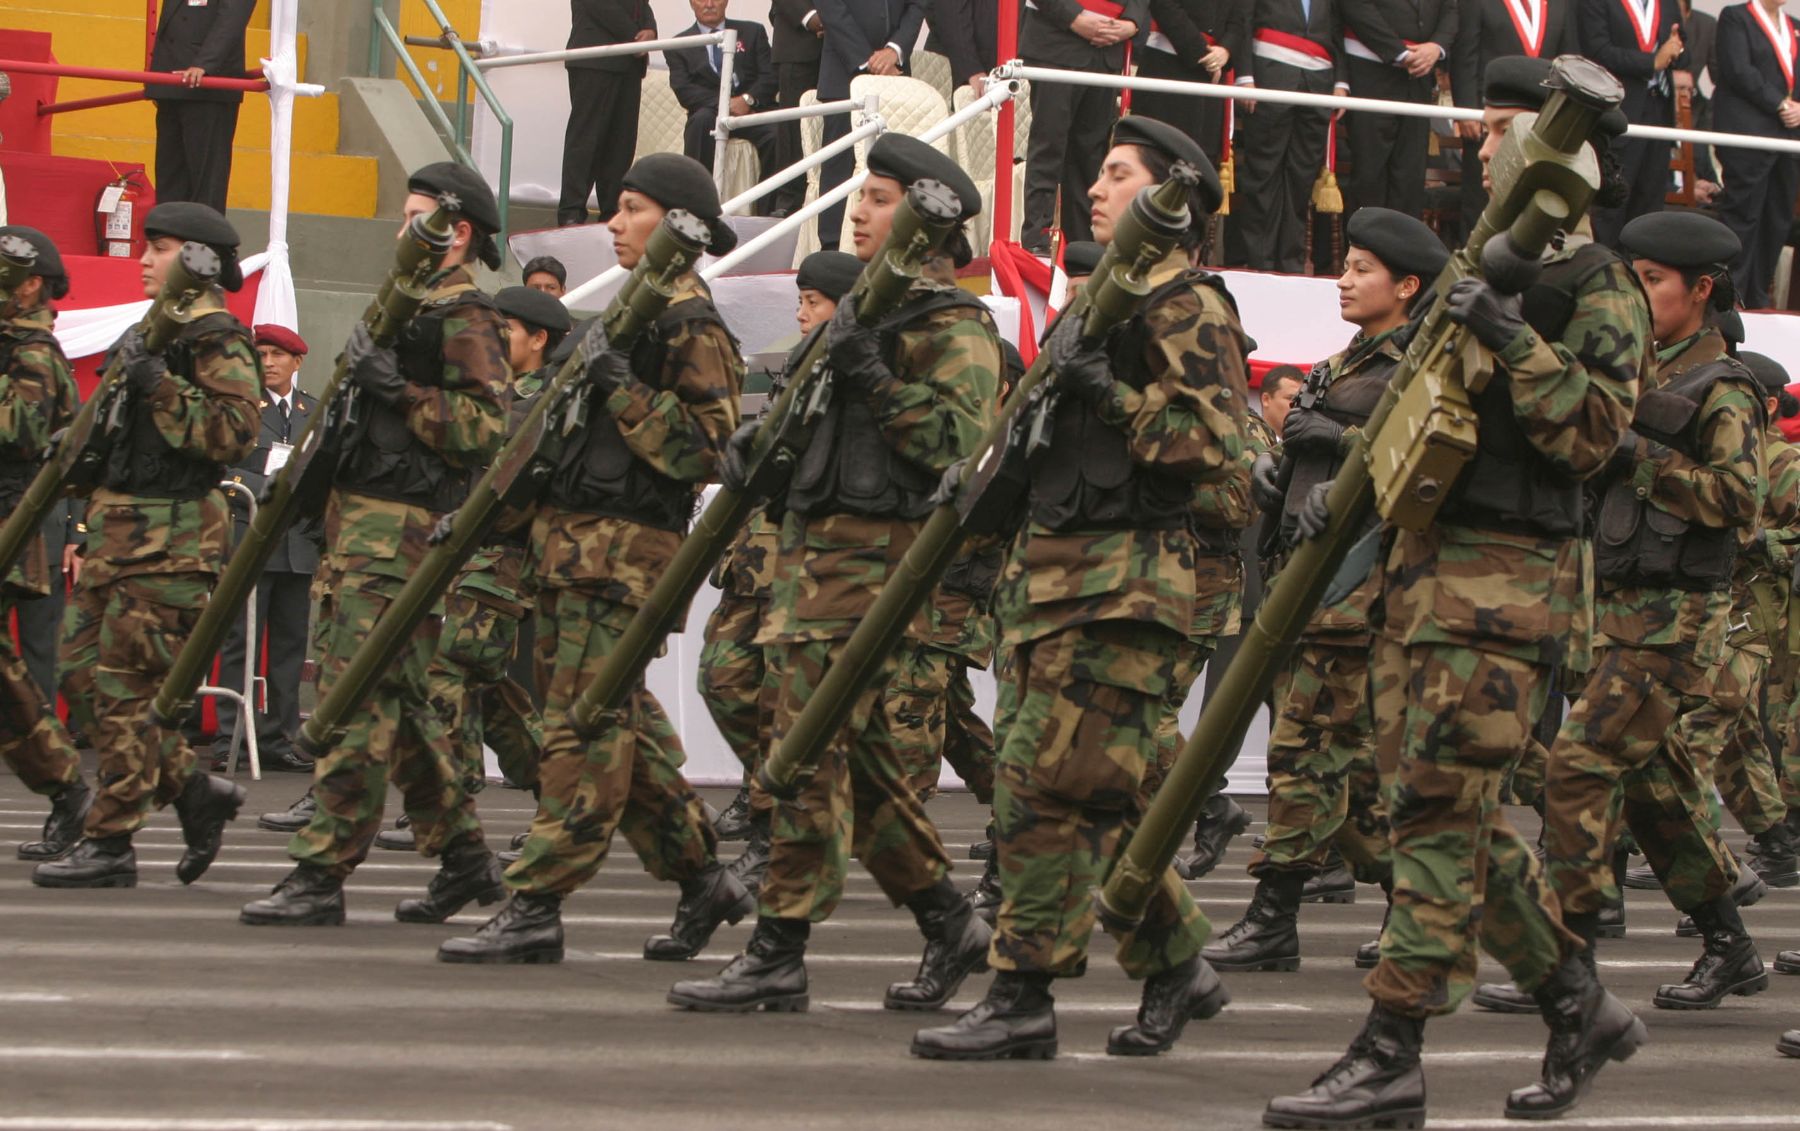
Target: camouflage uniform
[[1658, 650], [594, 571], [151, 562], [457, 414], [1098, 621], [732, 672], [962, 637], [37, 398]]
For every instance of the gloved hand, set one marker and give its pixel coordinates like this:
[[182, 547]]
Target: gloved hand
[[1313, 516], [607, 368], [143, 370], [854, 350], [374, 369], [441, 531], [1081, 369], [1493, 318], [1265, 482], [1309, 430], [734, 465], [945, 491]]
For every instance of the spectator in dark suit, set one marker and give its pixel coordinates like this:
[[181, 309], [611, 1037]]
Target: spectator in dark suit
[[604, 97], [1392, 50], [861, 36], [1486, 30], [966, 32], [1194, 41], [194, 126], [1700, 31], [799, 39], [1755, 94], [694, 77], [1620, 36]]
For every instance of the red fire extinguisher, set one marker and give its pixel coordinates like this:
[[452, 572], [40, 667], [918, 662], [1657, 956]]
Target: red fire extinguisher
[[119, 215]]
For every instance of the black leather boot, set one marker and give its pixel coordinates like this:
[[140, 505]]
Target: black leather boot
[[1611, 921], [1378, 1082], [770, 974], [1265, 938], [62, 828], [985, 899], [1507, 997], [1588, 1027], [1191, 991], [1015, 1021], [956, 945], [983, 849], [1729, 965], [1772, 855], [1642, 877], [95, 862], [733, 822], [468, 873], [1368, 955], [206, 805], [306, 897], [527, 931], [292, 819], [714, 896], [753, 864], [399, 838], [1220, 819], [1787, 962], [1746, 892], [1788, 1044], [1334, 884]]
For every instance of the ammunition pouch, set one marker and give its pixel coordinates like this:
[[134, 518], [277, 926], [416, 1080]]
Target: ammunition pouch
[[974, 574], [1349, 400], [140, 461]]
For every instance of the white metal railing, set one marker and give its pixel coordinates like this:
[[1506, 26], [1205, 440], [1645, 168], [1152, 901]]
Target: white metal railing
[[245, 696]]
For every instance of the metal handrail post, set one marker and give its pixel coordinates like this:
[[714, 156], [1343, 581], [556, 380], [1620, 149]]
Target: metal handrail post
[[812, 160], [378, 19], [602, 51], [796, 113], [246, 696], [722, 121]]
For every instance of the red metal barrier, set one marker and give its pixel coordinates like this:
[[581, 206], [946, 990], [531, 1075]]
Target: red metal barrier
[[47, 108], [110, 74]]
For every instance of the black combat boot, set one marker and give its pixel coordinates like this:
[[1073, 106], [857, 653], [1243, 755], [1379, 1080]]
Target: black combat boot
[[770, 974], [95, 862], [1333, 884], [983, 849], [1265, 938], [308, 896], [1588, 1027], [1641, 877], [1015, 1021], [734, 822], [753, 864], [1787, 962], [292, 819], [206, 805], [714, 896], [1507, 997], [1788, 1044], [1729, 965], [62, 828], [1378, 1082], [467, 873], [511, 853], [1221, 818], [985, 899], [1610, 923], [1368, 955], [399, 838], [528, 930], [1772, 855], [1746, 892], [956, 945], [1191, 991]]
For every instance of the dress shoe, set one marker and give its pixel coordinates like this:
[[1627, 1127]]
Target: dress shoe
[[571, 219], [286, 760], [770, 974], [1787, 962], [1191, 991], [734, 822], [62, 828], [1333, 885], [1642, 878], [956, 945], [1368, 955], [985, 899], [1746, 892], [1015, 1021], [468, 873], [714, 896], [399, 838], [528, 930], [1221, 818], [292, 819], [308, 896], [206, 805], [753, 863], [1588, 1027], [1788, 1044], [1611, 921], [1728, 965], [1378, 1082], [95, 862], [1771, 854], [1265, 938], [983, 849]]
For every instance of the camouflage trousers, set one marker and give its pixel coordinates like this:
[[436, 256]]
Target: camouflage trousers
[[731, 682], [1628, 727], [1324, 789], [396, 733], [1732, 724], [119, 640], [858, 800], [1783, 718], [32, 739], [626, 779], [1090, 700], [476, 696], [968, 740], [1190, 661], [1450, 722]]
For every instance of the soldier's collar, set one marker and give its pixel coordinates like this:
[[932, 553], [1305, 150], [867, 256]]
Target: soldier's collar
[[458, 277], [37, 318], [690, 285], [1693, 343], [1171, 266]]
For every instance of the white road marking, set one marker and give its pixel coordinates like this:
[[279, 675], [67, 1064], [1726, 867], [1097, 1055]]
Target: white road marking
[[1710, 1122], [31, 997], [237, 1123], [118, 1052], [1123, 1008]]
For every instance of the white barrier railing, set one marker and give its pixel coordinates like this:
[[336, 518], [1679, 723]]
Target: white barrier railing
[[502, 58], [245, 696]]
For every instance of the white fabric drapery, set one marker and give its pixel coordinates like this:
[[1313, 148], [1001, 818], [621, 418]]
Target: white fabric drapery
[[275, 301]]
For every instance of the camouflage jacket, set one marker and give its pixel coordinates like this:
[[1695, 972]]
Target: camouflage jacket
[[37, 397], [496, 574], [932, 411], [748, 567], [1262, 437], [678, 429], [1522, 595], [1760, 581], [1191, 419], [1723, 491]]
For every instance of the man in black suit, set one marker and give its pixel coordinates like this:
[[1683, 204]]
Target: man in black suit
[[1193, 41], [283, 593], [799, 39], [1755, 94], [1637, 40], [1392, 49], [197, 39], [694, 77], [1700, 31], [604, 96], [1485, 31], [967, 32], [861, 37]]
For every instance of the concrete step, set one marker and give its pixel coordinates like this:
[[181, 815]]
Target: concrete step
[[315, 119], [325, 183], [336, 252]]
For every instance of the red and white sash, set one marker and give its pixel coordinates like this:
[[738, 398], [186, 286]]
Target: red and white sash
[[1294, 50], [1782, 41], [1529, 19], [1157, 41], [1354, 48], [1105, 8], [1644, 16]]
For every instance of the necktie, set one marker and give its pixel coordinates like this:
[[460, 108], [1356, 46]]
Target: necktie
[[712, 53], [286, 420], [1306, 11]]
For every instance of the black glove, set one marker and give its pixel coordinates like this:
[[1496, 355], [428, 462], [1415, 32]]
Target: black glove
[[374, 369], [1309, 430], [947, 487], [1265, 482], [1493, 318], [441, 532], [854, 350], [607, 368], [734, 465], [1081, 369], [1313, 516], [143, 370]]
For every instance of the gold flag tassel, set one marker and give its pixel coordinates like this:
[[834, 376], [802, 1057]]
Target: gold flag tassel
[[1326, 196]]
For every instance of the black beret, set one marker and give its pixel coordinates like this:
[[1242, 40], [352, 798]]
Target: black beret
[[547, 265], [534, 308], [908, 160], [677, 181], [1767, 371], [474, 202], [49, 262], [831, 273], [1176, 145], [196, 223], [1680, 239], [1516, 82], [1080, 257], [1402, 243]]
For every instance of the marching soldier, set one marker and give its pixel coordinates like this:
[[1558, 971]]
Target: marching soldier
[[431, 412], [158, 531], [37, 398]]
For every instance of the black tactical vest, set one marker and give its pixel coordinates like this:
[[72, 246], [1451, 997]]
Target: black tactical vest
[[1348, 400], [141, 461], [17, 467], [974, 573], [848, 466], [1638, 543]]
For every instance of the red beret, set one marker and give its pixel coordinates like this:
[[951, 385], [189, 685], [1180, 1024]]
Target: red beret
[[282, 338]]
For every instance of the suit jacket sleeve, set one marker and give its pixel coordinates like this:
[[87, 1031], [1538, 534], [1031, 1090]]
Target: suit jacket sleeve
[[906, 32], [615, 20], [1593, 27], [1060, 13], [790, 12], [1337, 47], [951, 21], [693, 82], [762, 86], [1465, 56], [1449, 19], [1176, 19], [1737, 72], [1235, 35], [1366, 19], [843, 35], [222, 52]]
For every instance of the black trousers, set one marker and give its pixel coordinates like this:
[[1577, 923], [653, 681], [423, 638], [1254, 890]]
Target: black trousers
[[1757, 203], [1069, 130], [698, 142], [1646, 168], [1387, 152], [283, 606], [599, 142], [1279, 152], [193, 151], [792, 80], [40, 621]]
